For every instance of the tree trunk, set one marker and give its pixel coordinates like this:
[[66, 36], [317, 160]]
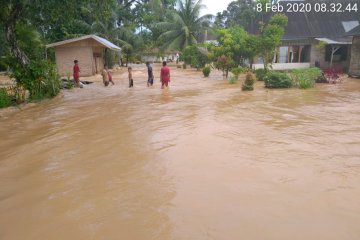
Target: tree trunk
[[10, 34], [334, 49]]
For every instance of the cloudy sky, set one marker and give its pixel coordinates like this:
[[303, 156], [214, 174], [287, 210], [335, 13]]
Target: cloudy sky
[[214, 6]]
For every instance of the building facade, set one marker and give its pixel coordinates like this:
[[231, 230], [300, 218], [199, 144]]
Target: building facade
[[88, 50]]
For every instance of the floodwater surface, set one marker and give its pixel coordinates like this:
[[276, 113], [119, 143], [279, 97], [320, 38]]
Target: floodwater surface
[[201, 160]]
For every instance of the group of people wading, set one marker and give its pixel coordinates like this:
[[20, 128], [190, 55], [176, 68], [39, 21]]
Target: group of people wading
[[107, 75]]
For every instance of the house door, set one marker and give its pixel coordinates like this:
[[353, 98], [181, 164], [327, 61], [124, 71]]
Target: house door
[[97, 63]]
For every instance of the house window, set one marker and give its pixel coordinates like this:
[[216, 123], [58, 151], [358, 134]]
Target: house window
[[283, 54], [339, 56], [293, 54]]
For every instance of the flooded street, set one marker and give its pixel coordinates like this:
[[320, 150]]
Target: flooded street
[[201, 160]]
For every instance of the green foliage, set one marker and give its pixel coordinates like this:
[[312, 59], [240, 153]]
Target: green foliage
[[261, 74], [237, 71], [5, 99], [305, 78], [40, 78], [239, 13], [234, 47], [184, 26], [232, 44], [271, 35], [233, 80], [250, 79], [278, 80], [196, 56], [206, 71], [320, 45], [225, 63]]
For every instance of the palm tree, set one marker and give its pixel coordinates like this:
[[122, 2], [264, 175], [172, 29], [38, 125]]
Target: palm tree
[[184, 26]]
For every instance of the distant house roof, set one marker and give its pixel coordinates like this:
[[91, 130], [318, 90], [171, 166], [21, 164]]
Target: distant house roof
[[354, 32], [102, 41], [304, 25]]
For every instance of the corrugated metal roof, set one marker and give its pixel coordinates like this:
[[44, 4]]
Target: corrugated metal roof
[[107, 43], [102, 41]]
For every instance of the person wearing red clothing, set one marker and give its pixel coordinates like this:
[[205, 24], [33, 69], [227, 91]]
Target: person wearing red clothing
[[164, 75], [76, 73]]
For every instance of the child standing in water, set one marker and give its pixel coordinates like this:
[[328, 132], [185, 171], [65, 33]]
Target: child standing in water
[[131, 81], [105, 76], [109, 75]]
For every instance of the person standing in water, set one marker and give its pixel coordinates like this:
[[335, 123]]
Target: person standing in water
[[110, 75], [131, 81], [105, 76], [150, 81], [164, 75], [76, 73]]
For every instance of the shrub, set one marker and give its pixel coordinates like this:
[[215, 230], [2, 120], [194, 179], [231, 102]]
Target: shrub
[[5, 99], [277, 80], [237, 71], [248, 85], [233, 80], [40, 78], [261, 74], [305, 78], [196, 56], [206, 71], [332, 74], [321, 79], [184, 66]]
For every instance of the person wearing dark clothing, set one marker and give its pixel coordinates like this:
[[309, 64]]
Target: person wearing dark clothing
[[150, 81], [131, 81]]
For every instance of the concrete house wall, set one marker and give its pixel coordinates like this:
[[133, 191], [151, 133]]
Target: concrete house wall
[[319, 55], [354, 69]]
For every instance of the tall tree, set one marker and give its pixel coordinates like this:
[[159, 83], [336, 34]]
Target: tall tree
[[10, 15], [240, 12], [185, 25], [270, 37]]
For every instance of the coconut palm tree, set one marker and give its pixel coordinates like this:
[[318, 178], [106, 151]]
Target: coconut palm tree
[[185, 25]]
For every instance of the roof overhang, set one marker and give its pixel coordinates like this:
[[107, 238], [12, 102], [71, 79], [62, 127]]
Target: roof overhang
[[106, 43], [333, 42]]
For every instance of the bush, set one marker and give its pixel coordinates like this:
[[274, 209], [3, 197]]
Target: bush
[[305, 78], [233, 80], [184, 66], [237, 71], [261, 74], [248, 85], [332, 74], [5, 99], [196, 56], [278, 80], [40, 78], [206, 71]]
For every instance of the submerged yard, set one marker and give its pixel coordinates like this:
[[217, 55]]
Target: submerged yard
[[201, 160]]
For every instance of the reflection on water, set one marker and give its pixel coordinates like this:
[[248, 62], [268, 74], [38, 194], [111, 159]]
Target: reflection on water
[[200, 160]]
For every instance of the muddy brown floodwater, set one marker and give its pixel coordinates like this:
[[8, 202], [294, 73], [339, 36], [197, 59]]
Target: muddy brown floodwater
[[202, 160]]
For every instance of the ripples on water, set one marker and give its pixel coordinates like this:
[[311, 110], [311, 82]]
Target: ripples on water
[[201, 160]]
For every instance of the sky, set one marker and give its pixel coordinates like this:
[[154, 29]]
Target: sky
[[215, 6]]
